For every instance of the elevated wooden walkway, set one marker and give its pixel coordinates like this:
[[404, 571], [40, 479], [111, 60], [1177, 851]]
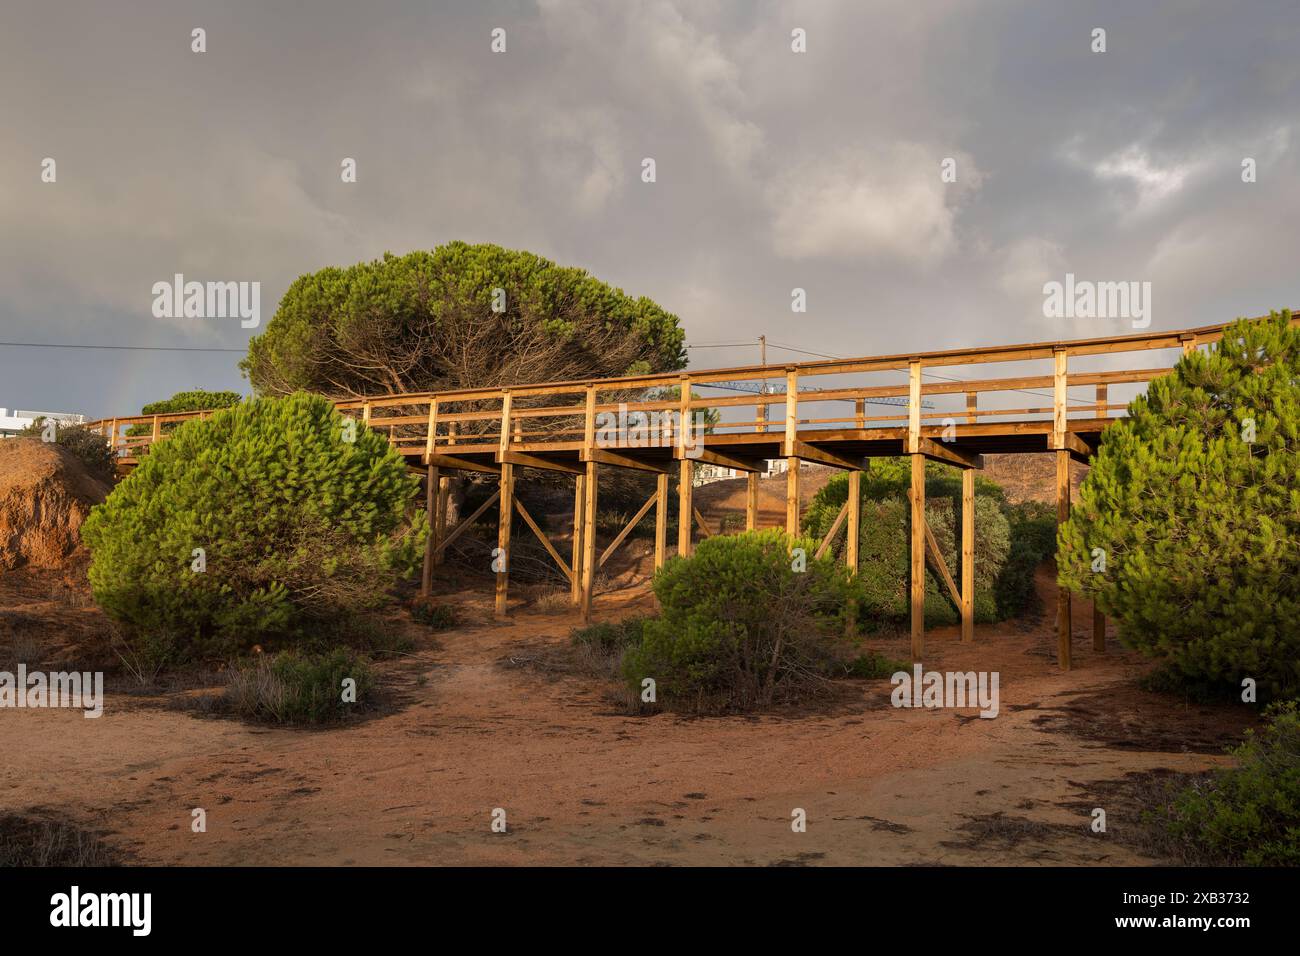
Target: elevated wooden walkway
[[836, 412]]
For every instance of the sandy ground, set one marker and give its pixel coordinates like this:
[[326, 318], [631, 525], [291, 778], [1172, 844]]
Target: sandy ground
[[465, 731]]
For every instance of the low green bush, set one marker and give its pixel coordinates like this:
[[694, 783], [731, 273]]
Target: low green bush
[[301, 531], [872, 665], [298, 688], [438, 617], [611, 636], [1011, 541], [599, 650], [1249, 814], [744, 623], [1032, 533]]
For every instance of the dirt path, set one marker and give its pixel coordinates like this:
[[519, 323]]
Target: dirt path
[[582, 783]]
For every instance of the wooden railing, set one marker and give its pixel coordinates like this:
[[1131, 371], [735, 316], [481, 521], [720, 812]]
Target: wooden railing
[[555, 416]]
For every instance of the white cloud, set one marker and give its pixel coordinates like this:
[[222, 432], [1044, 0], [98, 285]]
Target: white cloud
[[650, 47], [583, 156], [1141, 180], [1028, 263], [877, 203], [1152, 182]]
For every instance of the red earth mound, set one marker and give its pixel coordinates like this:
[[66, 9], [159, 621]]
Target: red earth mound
[[45, 494], [47, 616]]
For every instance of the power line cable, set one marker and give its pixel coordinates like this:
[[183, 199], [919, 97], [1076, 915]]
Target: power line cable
[[123, 348]]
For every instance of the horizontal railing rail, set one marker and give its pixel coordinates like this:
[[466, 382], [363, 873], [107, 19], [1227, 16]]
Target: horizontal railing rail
[[559, 414]]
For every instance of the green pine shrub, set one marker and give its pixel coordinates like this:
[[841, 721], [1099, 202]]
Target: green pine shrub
[[1032, 529], [299, 688], [194, 400], [1249, 814], [434, 615], [1199, 525], [871, 665], [302, 531], [884, 549], [610, 636], [600, 648], [740, 627]]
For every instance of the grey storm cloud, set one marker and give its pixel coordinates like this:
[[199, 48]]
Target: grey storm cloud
[[775, 170]]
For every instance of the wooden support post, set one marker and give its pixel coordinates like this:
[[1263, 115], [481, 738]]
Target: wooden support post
[[440, 524], [661, 519], [855, 521], [685, 508], [157, 431], [852, 545], [505, 509], [791, 462], [506, 513], [589, 507], [751, 500], [1063, 622], [431, 542], [913, 406], [686, 473], [860, 413], [435, 507], [503, 440], [365, 414], [579, 512], [1189, 343], [589, 540], [967, 555], [1098, 630], [431, 430], [792, 495], [972, 404], [1060, 398], [1102, 402], [917, 498]]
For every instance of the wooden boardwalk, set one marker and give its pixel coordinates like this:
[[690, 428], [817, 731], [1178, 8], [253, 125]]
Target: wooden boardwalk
[[840, 412]]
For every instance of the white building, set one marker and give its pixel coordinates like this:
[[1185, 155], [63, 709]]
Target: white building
[[14, 421], [707, 474]]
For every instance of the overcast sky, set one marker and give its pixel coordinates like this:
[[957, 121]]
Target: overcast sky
[[775, 169]]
